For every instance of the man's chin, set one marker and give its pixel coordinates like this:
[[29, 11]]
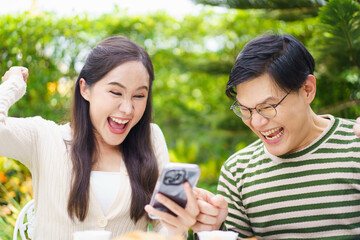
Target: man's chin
[[275, 150]]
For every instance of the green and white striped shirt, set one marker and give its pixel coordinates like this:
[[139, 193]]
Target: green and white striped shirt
[[310, 194]]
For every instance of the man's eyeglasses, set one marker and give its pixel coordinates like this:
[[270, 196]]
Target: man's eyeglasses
[[264, 109]]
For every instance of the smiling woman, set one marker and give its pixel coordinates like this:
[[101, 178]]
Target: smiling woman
[[118, 102], [98, 171]]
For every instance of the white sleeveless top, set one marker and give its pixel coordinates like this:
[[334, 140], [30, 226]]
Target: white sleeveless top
[[106, 186]]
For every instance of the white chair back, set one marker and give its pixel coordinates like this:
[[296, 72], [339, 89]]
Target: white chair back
[[28, 227]]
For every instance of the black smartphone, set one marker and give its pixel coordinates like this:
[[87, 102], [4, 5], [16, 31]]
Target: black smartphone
[[171, 184]]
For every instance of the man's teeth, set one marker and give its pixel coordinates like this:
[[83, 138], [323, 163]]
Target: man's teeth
[[276, 136], [267, 133], [270, 131], [119, 121]]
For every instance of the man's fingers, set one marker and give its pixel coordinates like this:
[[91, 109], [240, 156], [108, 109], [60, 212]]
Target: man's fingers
[[219, 201], [206, 219], [207, 208], [203, 194], [198, 227]]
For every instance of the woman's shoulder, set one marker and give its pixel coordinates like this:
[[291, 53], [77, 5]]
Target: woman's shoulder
[[159, 144], [156, 131], [154, 127]]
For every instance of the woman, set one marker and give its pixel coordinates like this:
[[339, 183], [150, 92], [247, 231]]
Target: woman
[[98, 171]]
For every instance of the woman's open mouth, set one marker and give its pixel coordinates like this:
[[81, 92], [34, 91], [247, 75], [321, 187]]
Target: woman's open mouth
[[116, 125]]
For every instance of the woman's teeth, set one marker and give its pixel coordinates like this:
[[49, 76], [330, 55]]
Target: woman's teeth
[[119, 121], [270, 132]]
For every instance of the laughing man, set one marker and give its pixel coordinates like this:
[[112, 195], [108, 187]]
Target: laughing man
[[301, 178]]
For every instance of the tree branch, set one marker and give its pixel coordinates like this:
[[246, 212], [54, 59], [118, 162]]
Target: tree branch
[[349, 42], [339, 107]]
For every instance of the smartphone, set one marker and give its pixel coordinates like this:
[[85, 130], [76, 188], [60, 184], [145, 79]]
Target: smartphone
[[171, 184]]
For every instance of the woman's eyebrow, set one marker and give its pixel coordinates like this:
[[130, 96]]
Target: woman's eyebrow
[[117, 84], [122, 86]]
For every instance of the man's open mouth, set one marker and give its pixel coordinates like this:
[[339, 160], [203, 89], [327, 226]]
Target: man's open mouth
[[273, 133]]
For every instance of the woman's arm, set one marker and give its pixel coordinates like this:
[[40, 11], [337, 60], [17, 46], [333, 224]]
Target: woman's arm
[[12, 89], [17, 135]]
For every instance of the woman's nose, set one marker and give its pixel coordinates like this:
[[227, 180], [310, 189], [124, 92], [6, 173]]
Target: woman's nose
[[126, 106]]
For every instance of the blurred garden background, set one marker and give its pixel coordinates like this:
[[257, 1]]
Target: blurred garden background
[[192, 57]]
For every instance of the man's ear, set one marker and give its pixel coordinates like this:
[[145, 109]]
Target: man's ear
[[309, 88], [84, 89]]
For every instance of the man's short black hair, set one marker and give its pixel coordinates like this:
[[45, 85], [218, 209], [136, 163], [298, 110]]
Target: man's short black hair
[[283, 57]]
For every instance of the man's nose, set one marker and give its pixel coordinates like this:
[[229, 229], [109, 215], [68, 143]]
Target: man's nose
[[258, 120]]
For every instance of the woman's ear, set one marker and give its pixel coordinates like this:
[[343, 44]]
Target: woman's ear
[[84, 89], [309, 88]]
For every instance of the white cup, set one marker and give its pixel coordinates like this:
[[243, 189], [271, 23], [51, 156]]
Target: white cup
[[217, 235], [92, 235]]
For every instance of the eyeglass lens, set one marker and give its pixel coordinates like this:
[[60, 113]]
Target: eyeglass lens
[[265, 110]]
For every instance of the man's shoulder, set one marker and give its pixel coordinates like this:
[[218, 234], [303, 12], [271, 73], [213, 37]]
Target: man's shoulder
[[345, 127], [344, 132], [344, 122], [242, 157]]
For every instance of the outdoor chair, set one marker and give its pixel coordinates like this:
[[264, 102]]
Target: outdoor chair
[[25, 226]]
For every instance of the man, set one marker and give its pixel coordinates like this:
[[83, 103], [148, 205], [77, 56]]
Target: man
[[301, 178]]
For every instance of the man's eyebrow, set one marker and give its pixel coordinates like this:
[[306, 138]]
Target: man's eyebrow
[[122, 86], [271, 98]]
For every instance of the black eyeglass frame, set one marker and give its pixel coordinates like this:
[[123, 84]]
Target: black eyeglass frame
[[235, 104]]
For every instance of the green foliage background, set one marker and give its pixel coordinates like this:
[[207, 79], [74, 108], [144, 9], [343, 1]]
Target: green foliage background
[[192, 58]]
